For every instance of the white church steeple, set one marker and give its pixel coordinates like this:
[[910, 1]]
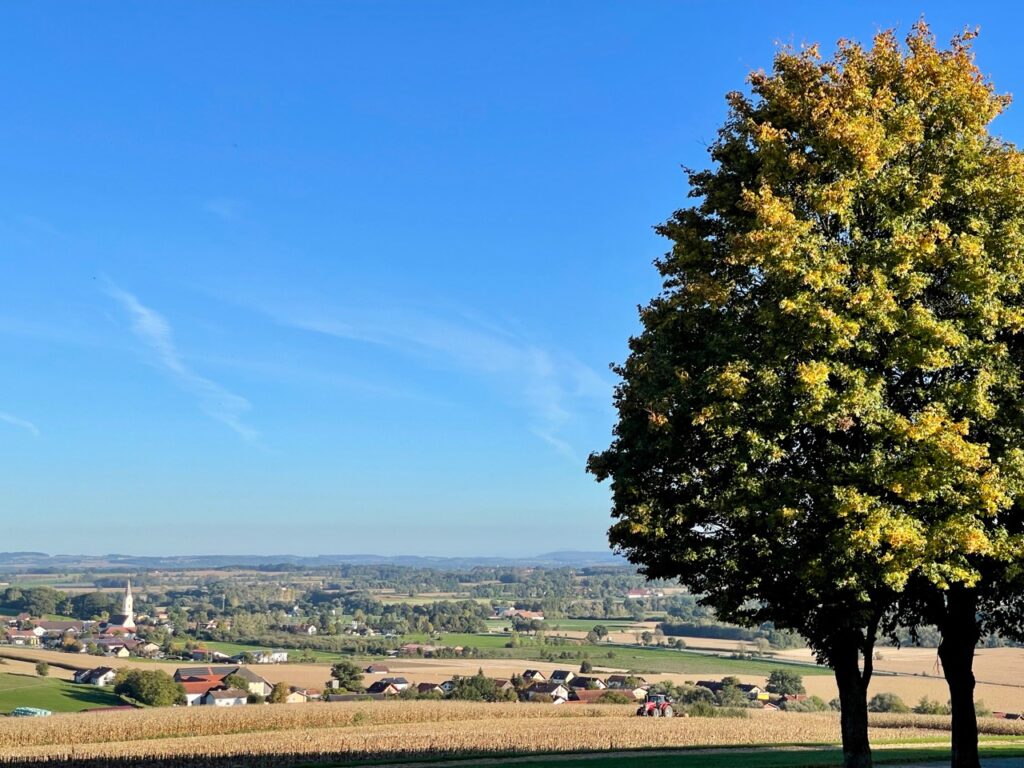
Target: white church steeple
[[129, 601], [128, 609]]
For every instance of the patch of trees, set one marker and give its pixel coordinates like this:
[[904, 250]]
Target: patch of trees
[[479, 688], [152, 687], [349, 676], [785, 682]]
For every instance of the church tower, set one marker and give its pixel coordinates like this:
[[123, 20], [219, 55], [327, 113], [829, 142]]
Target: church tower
[[128, 609]]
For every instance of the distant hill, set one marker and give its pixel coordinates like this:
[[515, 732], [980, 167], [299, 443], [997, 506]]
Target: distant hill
[[25, 561]]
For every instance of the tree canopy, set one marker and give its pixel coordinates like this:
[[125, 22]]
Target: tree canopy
[[349, 676], [785, 681], [825, 401], [149, 686]]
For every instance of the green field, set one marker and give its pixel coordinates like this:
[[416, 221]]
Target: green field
[[455, 638], [585, 625], [232, 648], [52, 694]]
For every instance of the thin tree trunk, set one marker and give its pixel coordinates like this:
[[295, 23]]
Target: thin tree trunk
[[956, 651], [853, 702]]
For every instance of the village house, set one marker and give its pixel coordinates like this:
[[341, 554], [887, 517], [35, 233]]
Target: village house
[[382, 688], [195, 690], [301, 696], [99, 676], [530, 615], [276, 656], [399, 682], [428, 688], [583, 696], [587, 683], [121, 647], [226, 697], [534, 676], [148, 649], [642, 592], [21, 637], [57, 629], [512, 613], [549, 690], [625, 681], [206, 654], [215, 675], [418, 649], [561, 676]]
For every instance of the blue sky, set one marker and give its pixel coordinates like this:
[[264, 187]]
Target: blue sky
[[347, 277]]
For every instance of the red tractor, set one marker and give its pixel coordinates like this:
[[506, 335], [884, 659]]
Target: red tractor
[[655, 705]]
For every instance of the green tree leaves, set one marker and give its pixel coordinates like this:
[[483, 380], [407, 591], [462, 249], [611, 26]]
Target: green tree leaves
[[826, 401]]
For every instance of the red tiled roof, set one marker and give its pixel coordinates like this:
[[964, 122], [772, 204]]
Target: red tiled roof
[[587, 696], [199, 686], [203, 678]]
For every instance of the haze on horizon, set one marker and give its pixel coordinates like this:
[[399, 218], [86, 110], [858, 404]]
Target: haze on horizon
[[348, 277]]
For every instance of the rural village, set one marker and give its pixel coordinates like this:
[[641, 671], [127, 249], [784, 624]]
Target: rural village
[[230, 681]]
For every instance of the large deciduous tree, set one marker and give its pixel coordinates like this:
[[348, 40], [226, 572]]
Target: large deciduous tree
[[152, 687], [825, 401], [349, 676]]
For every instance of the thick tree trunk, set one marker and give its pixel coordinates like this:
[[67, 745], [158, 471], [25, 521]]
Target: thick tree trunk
[[853, 701], [956, 651]]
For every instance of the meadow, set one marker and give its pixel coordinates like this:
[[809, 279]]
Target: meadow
[[286, 735], [234, 648], [585, 625], [54, 694]]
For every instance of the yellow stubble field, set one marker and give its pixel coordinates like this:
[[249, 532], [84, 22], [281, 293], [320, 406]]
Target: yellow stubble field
[[278, 735]]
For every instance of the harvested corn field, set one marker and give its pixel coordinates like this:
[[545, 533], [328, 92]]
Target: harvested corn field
[[288, 735]]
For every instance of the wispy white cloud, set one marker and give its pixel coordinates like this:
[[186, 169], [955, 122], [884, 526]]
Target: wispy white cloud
[[550, 386], [14, 421], [153, 330], [225, 208]]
